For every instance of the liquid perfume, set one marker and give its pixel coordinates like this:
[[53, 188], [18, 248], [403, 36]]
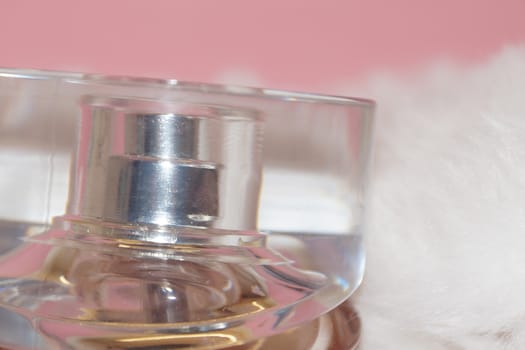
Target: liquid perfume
[[158, 214]]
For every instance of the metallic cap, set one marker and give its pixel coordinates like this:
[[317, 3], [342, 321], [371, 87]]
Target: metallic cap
[[167, 163]]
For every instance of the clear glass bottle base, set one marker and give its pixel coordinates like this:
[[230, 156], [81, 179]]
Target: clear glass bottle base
[[340, 329], [101, 291]]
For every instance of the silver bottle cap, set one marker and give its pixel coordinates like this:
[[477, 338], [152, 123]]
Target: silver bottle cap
[[167, 163]]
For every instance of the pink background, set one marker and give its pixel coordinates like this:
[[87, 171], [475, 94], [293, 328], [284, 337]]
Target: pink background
[[297, 44]]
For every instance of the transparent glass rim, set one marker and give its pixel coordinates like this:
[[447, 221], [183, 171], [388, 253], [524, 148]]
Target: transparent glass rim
[[182, 85]]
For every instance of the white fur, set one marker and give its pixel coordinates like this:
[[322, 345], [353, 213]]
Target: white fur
[[446, 234], [446, 217]]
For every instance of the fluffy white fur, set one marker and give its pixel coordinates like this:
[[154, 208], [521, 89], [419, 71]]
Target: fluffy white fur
[[446, 237], [446, 216]]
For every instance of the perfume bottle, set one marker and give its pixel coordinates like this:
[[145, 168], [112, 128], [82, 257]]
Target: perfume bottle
[[158, 214]]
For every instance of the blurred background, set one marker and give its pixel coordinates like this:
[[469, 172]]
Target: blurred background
[[293, 44]]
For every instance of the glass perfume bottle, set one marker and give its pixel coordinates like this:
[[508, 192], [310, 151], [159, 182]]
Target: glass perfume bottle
[[158, 214]]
